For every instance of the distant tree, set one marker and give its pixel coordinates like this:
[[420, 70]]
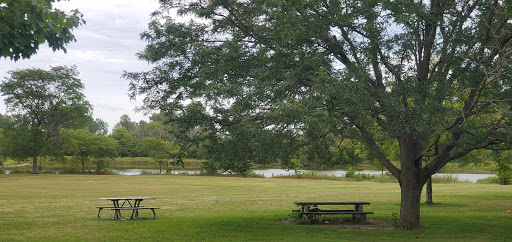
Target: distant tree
[[153, 129], [158, 149], [25, 24], [85, 146], [78, 143], [127, 123], [105, 149], [5, 122], [435, 76], [3, 155], [159, 117], [98, 126], [42, 102], [127, 141]]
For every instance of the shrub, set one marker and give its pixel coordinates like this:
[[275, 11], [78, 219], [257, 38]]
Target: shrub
[[488, 180], [351, 173]]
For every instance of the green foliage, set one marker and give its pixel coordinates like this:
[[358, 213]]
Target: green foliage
[[289, 74], [25, 24], [79, 144], [488, 180], [84, 146], [394, 220], [105, 150], [233, 148], [297, 218], [503, 161], [97, 126], [153, 129], [158, 149], [126, 122], [127, 141], [446, 179], [43, 102], [351, 172]]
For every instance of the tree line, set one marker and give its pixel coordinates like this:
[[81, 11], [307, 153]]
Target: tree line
[[49, 116]]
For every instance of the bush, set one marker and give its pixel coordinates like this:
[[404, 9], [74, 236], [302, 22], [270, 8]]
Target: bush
[[351, 173], [446, 179], [488, 180], [504, 173]]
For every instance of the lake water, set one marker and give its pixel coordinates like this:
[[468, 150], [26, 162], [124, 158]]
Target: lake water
[[268, 173]]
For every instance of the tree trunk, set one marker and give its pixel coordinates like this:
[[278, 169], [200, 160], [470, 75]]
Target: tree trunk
[[410, 202], [83, 166], [34, 164], [429, 191], [412, 178]]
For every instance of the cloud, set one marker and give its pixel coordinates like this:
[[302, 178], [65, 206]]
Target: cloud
[[106, 45]]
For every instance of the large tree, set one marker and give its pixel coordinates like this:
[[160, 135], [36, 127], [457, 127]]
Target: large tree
[[25, 24], [433, 75], [43, 102]]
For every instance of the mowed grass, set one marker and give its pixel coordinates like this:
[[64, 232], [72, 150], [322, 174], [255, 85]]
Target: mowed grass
[[60, 208]]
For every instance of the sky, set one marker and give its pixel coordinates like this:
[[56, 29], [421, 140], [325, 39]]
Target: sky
[[106, 45]]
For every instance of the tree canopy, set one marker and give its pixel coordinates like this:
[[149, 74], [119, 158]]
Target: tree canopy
[[433, 75], [84, 146], [25, 24], [42, 103]]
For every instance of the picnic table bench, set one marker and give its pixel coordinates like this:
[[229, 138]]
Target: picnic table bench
[[309, 209], [129, 203]]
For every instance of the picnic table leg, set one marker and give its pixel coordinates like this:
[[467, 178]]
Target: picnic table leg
[[135, 212], [305, 208], [99, 212], [359, 217], [117, 212], [154, 214]]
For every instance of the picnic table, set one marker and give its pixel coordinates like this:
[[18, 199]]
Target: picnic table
[[309, 209], [129, 203]]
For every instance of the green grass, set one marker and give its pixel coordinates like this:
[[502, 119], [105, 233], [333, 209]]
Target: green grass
[[49, 207], [119, 163]]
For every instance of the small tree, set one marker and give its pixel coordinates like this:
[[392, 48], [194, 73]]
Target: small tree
[[105, 149], [79, 143], [158, 149], [85, 146], [126, 140]]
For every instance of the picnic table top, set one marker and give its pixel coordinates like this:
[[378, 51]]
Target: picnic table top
[[125, 198], [331, 203]]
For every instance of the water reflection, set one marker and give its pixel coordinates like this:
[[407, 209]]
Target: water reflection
[[134, 172]]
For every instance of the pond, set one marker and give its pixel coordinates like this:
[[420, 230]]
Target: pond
[[268, 173]]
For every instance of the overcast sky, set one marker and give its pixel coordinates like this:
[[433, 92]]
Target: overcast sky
[[105, 47]]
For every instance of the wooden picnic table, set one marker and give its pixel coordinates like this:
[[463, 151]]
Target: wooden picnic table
[[309, 209], [129, 203]]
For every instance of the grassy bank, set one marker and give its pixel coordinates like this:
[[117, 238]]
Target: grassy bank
[[60, 207]]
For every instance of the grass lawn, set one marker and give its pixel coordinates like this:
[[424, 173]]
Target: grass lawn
[[60, 208]]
